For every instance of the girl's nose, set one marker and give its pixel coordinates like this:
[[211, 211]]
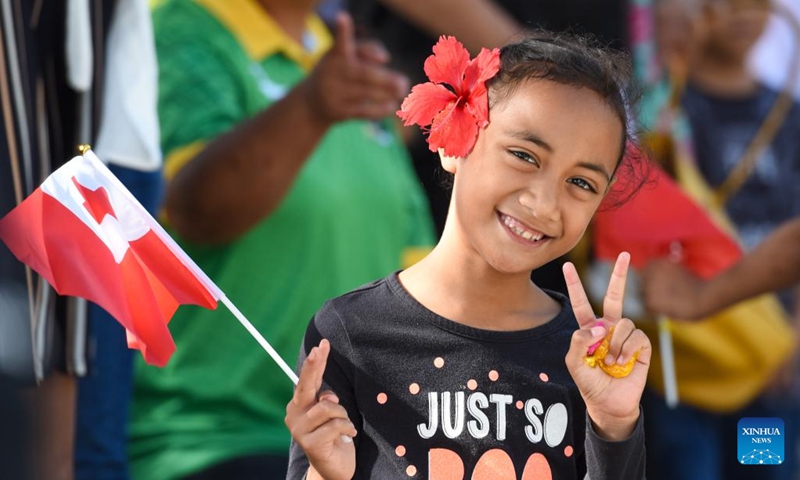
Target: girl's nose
[[542, 203]]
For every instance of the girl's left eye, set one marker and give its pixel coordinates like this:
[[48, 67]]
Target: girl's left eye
[[525, 157], [581, 183]]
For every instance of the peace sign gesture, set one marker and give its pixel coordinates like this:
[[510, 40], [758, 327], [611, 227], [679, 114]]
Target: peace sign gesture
[[612, 403]]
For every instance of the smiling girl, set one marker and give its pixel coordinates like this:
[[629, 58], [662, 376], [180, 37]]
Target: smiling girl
[[460, 367]]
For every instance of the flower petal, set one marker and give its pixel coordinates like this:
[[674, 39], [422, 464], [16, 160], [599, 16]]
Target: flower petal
[[454, 130], [480, 69], [483, 67], [448, 62], [424, 102], [478, 105]]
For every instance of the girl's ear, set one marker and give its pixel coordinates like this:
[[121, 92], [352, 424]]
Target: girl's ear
[[449, 164]]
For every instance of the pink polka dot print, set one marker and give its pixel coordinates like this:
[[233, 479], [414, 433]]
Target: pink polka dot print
[[413, 388], [472, 384], [382, 398], [438, 362], [493, 375], [520, 404], [568, 450], [543, 377], [400, 451], [411, 470]]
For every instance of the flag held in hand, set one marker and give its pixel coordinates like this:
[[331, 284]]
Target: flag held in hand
[[85, 233]]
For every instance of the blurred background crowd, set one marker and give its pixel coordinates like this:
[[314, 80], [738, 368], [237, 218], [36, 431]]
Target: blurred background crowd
[[262, 134]]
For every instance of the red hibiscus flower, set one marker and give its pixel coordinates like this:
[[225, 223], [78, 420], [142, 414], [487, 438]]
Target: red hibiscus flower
[[456, 113]]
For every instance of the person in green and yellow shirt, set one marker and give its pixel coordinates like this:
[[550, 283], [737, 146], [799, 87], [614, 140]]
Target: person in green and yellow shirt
[[288, 185]]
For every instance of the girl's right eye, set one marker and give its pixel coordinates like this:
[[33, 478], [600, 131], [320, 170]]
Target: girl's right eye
[[525, 157]]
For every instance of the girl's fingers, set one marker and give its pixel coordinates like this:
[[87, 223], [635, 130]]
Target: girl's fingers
[[634, 343], [302, 423], [615, 294], [323, 412], [328, 396], [622, 330], [582, 339], [336, 430], [310, 381], [637, 342], [577, 297]]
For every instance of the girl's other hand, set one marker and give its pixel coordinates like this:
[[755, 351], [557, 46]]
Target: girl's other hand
[[612, 403], [319, 424]]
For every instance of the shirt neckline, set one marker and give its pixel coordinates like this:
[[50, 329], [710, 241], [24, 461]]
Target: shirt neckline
[[555, 324]]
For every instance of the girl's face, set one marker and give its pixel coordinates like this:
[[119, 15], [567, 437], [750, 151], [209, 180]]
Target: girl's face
[[537, 173]]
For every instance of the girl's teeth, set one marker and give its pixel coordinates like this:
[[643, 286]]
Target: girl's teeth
[[527, 235]]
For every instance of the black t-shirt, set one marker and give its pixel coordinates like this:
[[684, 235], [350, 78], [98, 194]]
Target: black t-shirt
[[429, 395]]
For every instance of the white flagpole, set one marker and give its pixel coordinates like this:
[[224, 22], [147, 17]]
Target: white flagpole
[[667, 362], [271, 351], [665, 341], [260, 339]]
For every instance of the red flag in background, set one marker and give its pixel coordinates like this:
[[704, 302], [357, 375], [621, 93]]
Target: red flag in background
[[660, 215], [722, 362], [88, 236]]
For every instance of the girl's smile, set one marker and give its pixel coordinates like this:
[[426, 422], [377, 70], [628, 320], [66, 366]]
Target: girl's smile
[[521, 232], [537, 173]]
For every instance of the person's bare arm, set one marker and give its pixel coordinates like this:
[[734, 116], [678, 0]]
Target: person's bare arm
[[476, 23], [772, 265], [242, 176]]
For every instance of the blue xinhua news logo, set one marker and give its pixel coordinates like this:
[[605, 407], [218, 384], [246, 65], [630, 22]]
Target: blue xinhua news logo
[[761, 441]]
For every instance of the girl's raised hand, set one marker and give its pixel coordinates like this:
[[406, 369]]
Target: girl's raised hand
[[612, 403], [319, 424]]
